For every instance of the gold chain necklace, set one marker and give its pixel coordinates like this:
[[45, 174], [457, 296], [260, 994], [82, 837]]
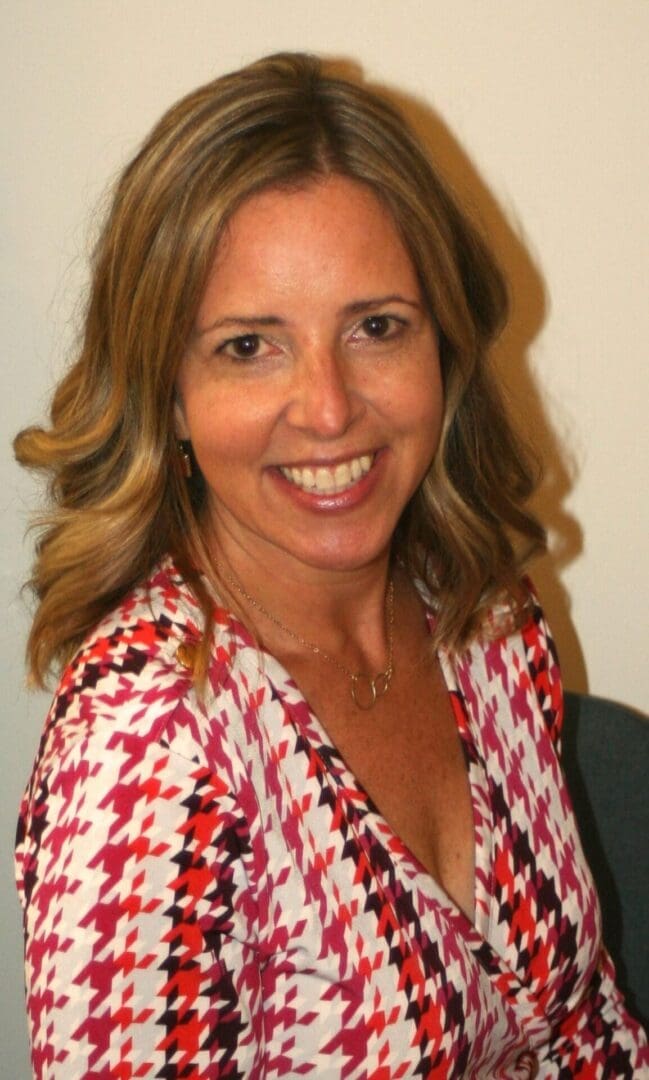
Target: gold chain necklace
[[365, 689]]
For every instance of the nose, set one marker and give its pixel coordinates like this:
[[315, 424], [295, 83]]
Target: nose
[[323, 401]]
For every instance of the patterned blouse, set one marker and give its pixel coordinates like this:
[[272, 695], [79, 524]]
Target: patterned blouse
[[209, 892]]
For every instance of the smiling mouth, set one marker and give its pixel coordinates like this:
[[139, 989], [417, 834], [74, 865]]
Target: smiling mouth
[[325, 480]]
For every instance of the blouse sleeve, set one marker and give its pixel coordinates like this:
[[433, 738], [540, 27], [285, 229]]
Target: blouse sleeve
[[597, 1037], [138, 917], [600, 1038]]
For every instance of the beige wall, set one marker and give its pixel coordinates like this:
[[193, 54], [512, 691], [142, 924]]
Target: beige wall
[[537, 112]]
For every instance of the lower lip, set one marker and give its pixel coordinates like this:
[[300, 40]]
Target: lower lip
[[343, 500]]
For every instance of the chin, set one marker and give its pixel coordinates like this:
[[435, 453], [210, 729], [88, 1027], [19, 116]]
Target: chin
[[344, 560]]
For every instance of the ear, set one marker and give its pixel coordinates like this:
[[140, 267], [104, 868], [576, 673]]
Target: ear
[[180, 422]]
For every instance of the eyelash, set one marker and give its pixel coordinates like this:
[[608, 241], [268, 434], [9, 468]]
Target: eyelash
[[394, 327], [225, 346]]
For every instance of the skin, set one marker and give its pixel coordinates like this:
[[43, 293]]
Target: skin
[[306, 271], [313, 348]]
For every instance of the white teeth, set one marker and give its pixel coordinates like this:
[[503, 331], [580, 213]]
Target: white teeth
[[324, 481], [330, 481], [343, 475]]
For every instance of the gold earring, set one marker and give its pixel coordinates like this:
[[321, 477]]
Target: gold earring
[[184, 451]]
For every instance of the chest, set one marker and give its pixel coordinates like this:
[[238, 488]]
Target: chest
[[407, 756]]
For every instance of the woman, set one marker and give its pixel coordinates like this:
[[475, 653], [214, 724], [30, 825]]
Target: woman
[[297, 806]]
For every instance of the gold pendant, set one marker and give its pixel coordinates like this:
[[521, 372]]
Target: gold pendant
[[374, 688]]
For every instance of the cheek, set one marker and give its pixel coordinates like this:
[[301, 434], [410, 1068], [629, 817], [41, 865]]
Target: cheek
[[226, 429], [418, 401]]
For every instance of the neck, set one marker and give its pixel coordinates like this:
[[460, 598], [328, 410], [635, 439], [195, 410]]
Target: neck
[[342, 611]]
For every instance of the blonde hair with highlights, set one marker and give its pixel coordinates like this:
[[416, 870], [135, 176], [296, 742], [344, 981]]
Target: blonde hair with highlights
[[118, 497]]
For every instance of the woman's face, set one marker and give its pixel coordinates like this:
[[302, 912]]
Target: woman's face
[[311, 388]]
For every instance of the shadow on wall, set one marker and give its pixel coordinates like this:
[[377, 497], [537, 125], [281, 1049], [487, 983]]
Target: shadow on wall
[[529, 304]]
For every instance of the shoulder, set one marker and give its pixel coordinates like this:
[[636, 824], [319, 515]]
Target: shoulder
[[542, 663], [516, 673], [133, 650], [130, 681]]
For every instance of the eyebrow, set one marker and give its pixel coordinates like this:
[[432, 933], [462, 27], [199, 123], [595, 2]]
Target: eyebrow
[[379, 301], [240, 320], [355, 308]]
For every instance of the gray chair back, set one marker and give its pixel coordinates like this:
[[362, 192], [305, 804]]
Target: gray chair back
[[606, 764]]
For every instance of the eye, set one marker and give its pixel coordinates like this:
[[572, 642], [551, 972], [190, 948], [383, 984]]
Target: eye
[[244, 347], [377, 326]]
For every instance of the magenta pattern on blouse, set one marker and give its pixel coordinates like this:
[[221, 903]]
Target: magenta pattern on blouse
[[208, 891]]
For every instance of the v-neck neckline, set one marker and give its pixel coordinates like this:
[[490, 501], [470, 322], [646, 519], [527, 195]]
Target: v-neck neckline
[[404, 872], [363, 814]]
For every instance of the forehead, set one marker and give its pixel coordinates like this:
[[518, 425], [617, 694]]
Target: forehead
[[326, 235]]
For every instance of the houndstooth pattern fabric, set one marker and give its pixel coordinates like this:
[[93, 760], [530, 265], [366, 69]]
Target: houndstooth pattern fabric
[[209, 892]]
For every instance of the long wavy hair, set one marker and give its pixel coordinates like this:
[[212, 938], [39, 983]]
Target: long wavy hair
[[118, 499]]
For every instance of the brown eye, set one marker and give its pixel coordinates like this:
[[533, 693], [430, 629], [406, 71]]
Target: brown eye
[[376, 326], [243, 347]]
